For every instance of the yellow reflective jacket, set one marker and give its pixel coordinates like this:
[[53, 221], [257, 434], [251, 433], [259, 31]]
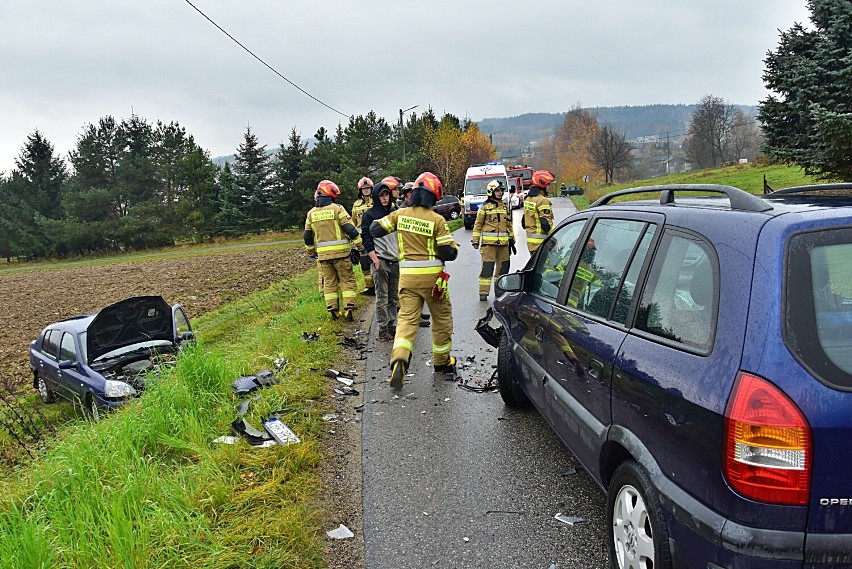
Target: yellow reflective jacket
[[493, 225], [331, 236], [361, 205], [419, 233], [537, 208]]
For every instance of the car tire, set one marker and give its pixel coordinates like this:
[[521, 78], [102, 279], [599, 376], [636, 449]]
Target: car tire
[[512, 393], [91, 408], [454, 214], [636, 529], [47, 394]]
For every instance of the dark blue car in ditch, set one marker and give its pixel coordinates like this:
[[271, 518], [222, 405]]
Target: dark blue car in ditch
[[694, 352]]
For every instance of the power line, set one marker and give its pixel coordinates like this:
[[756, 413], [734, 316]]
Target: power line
[[236, 41]]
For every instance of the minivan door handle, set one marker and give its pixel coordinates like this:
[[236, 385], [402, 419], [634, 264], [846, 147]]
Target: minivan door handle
[[539, 333], [595, 368]]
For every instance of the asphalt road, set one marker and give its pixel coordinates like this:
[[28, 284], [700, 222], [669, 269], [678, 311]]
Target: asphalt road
[[454, 478]]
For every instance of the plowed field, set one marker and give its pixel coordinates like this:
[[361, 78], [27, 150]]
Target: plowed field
[[29, 300]]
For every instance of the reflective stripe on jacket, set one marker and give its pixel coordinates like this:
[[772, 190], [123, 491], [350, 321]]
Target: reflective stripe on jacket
[[330, 241], [419, 233], [537, 208], [493, 225]]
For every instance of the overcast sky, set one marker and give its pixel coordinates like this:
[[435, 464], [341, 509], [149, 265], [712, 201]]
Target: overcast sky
[[65, 64]]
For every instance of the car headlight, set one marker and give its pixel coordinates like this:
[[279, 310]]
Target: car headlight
[[114, 388]]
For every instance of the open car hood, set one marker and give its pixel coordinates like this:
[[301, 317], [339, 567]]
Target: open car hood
[[128, 322]]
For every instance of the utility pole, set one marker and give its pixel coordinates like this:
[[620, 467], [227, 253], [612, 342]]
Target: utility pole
[[668, 155], [402, 128]]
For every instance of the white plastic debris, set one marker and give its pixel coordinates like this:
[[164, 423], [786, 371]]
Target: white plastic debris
[[340, 532], [227, 439], [570, 520]]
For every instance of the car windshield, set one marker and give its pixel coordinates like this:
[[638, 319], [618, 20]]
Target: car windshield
[[525, 174], [476, 186]]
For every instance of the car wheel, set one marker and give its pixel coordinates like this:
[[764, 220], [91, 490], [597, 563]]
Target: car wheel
[[636, 530], [92, 408], [47, 394], [512, 393], [454, 214]]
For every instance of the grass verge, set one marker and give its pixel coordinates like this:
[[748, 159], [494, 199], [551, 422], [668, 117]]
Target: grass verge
[[147, 487], [748, 177]]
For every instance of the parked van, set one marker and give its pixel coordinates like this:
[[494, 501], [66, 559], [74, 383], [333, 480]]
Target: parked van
[[476, 180]]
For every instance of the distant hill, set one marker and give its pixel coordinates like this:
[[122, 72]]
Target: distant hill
[[635, 122]]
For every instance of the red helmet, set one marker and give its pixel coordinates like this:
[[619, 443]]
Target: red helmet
[[431, 182], [328, 188], [390, 182], [541, 178], [365, 182]]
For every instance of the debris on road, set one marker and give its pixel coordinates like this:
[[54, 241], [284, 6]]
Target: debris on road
[[340, 532], [570, 520]]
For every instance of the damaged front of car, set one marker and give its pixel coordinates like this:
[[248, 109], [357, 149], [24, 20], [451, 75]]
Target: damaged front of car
[[102, 360]]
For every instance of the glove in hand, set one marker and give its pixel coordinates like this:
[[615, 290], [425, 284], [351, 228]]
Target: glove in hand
[[355, 257], [439, 290], [512, 246]]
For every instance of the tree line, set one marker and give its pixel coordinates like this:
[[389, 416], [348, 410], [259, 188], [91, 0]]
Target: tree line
[[131, 184]]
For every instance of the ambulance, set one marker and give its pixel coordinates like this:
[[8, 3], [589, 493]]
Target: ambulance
[[475, 181]]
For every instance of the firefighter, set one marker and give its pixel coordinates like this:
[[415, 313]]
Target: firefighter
[[493, 236], [538, 213], [405, 201], [362, 204], [425, 245], [329, 236]]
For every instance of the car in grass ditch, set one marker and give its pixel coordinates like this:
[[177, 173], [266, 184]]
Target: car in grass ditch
[[694, 353], [101, 360]]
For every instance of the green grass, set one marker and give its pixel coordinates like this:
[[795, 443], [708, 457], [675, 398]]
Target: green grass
[[147, 487], [748, 177]]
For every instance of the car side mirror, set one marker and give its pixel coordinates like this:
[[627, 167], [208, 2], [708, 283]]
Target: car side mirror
[[513, 282], [67, 364]]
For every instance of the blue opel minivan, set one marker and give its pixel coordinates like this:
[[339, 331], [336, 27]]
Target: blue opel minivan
[[694, 352]]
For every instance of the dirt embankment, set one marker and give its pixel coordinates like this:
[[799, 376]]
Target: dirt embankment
[[31, 300]]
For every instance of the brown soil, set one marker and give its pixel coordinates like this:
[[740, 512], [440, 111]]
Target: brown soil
[[32, 300]]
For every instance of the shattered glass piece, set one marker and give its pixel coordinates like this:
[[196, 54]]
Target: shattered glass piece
[[340, 532], [571, 471], [345, 381], [330, 418]]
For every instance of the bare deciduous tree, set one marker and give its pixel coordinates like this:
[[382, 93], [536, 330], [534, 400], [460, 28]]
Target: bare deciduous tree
[[710, 132], [609, 151]]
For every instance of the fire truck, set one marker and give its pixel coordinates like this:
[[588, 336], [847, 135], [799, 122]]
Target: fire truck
[[523, 172]]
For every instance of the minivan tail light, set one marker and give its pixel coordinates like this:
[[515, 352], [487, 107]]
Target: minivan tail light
[[768, 444]]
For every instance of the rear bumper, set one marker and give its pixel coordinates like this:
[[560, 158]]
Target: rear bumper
[[700, 530]]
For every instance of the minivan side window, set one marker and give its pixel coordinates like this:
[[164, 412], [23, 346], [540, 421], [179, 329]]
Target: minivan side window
[[604, 259], [553, 258], [681, 295]]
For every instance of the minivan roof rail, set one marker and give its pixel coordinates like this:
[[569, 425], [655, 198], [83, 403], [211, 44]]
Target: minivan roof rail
[[811, 188], [739, 199]]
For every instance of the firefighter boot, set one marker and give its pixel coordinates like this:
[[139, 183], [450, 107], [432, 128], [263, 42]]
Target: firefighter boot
[[449, 367], [398, 369]]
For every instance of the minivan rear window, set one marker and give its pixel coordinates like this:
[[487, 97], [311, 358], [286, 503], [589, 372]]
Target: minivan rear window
[[818, 312]]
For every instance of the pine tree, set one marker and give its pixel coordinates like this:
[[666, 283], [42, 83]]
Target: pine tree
[[252, 183], [42, 175], [808, 119], [289, 200]]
